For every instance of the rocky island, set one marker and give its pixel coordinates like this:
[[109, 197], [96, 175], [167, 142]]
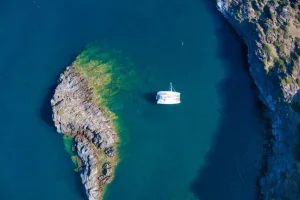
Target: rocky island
[[81, 112], [271, 30]]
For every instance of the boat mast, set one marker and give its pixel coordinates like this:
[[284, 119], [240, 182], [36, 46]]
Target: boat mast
[[171, 87]]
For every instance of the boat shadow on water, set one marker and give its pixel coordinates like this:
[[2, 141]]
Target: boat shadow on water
[[231, 163], [150, 97]]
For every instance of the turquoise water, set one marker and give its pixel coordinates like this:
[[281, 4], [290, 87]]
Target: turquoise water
[[205, 148]]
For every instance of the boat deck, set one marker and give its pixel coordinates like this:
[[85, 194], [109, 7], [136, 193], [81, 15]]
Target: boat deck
[[168, 97]]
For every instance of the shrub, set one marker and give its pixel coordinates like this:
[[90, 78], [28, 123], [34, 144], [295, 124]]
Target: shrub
[[298, 81], [295, 55], [289, 80], [267, 48], [108, 74], [281, 48], [298, 18], [281, 2], [285, 32], [298, 42], [283, 82], [280, 63], [276, 43]]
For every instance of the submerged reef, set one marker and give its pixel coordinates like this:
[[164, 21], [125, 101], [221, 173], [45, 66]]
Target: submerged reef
[[271, 30], [81, 111]]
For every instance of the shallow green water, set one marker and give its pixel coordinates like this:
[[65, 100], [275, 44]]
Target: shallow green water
[[205, 148]]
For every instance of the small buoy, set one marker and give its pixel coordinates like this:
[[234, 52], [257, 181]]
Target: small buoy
[[182, 43]]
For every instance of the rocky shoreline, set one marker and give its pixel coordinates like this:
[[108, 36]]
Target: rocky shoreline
[[271, 30], [95, 139]]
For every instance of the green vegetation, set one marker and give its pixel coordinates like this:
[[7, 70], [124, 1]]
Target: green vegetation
[[282, 49], [280, 63], [289, 79], [298, 42], [276, 43], [108, 74], [285, 32], [273, 17], [281, 2], [298, 81], [294, 68], [267, 48], [298, 17], [265, 61], [295, 55], [279, 99], [283, 82]]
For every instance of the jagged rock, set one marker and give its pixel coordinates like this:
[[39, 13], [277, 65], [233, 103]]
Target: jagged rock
[[109, 151], [106, 165], [106, 172], [74, 114], [275, 73]]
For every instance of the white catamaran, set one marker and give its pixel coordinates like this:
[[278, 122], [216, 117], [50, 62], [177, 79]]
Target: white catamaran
[[168, 97]]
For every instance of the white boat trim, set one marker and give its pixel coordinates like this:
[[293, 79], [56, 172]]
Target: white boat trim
[[168, 97]]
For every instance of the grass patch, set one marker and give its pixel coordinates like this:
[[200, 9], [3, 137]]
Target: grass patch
[[276, 43], [281, 49], [108, 74], [280, 64], [283, 82], [267, 48], [298, 81], [298, 17], [297, 42], [289, 79]]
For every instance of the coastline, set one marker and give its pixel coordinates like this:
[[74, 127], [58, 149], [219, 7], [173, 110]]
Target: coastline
[[274, 66], [81, 111]]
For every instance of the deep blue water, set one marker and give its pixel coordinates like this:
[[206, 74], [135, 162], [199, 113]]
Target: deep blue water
[[205, 148]]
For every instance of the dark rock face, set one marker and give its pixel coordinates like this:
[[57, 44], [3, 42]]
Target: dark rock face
[[271, 30], [74, 114], [109, 151]]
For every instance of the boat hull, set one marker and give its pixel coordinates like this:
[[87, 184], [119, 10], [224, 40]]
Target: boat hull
[[168, 97]]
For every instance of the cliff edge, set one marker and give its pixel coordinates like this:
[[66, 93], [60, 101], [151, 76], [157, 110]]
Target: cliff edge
[[94, 137], [271, 30], [82, 112]]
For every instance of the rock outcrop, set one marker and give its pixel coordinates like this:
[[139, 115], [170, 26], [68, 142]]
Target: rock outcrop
[[76, 115], [271, 30]]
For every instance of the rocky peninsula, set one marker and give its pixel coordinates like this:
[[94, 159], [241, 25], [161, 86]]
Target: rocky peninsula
[[271, 30], [81, 111]]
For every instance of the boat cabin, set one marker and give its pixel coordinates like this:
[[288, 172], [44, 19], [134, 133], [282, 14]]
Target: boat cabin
[[168, 97]]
